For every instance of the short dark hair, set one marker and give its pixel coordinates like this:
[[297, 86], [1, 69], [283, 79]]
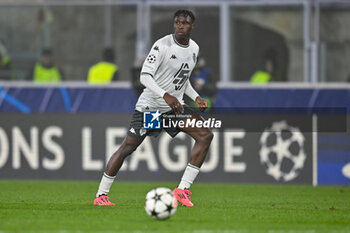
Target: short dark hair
[[108, 54], [185, 13], [47, 52]]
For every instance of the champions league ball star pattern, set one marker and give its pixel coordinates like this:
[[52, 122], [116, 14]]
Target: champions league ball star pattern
[[151, 58], [160, 203], [282, 151]]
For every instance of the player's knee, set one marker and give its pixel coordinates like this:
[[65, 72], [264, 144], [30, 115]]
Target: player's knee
[[206, 137], [209, 136]]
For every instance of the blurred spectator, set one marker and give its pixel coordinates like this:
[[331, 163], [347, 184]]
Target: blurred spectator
[[45, 70], [203, 82], [104, 71], [135, 75], [5, 63], [267, 73]]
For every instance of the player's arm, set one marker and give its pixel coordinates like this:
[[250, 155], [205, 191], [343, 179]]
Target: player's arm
[[147, 80], [190, 92], [149, 68]]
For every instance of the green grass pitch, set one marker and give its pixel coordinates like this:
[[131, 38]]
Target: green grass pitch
[[66, 207]]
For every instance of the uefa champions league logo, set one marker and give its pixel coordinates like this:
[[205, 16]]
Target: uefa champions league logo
[[282, 151]]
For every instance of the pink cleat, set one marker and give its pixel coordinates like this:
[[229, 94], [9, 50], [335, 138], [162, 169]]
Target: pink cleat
[[183, 196], [102, 200]]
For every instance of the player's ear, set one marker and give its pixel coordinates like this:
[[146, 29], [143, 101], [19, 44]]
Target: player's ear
[[193, 26]]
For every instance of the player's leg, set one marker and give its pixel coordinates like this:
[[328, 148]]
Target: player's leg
[[114, 164], [128, 146], [203, 138]]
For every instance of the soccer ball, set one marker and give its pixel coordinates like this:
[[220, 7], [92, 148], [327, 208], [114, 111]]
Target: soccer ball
[[160, 203]]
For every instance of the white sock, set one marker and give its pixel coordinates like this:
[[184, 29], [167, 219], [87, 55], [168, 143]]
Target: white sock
[[188, 177], [105, 184]]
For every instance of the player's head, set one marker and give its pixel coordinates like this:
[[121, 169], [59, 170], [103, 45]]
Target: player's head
[[183, 23], [108, 54], [270, 57], [47, 57], [3, 50]]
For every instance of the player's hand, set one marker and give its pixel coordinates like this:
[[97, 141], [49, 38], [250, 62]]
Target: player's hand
[[174, 104], [201, 103]]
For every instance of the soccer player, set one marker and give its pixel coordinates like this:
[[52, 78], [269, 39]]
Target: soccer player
[[165, 75]]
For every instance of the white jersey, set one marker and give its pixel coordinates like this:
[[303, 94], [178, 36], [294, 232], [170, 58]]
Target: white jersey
[[170, 64]]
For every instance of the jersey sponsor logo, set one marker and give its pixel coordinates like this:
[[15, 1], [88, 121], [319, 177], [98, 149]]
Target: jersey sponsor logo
[[143, 131], [132, 130], [151, 120], [156, 48], [151, 58], [181, 76], [173, 56]]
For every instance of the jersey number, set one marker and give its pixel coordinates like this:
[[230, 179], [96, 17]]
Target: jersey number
[[181, 76]]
